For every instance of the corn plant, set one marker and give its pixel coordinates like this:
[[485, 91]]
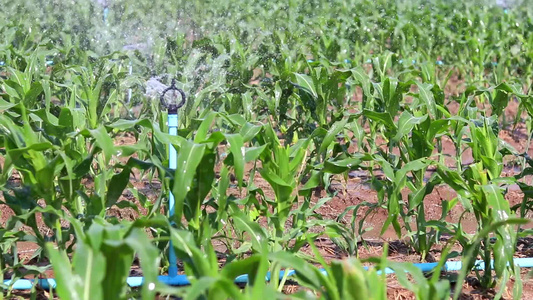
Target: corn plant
[[480, 190], [501, 265], [281, 166], [348, 279], [207, 280], [96, 270], [95, 89], [322, 87]]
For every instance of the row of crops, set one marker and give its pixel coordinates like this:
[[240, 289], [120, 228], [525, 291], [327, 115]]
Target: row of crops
[[285, 99]]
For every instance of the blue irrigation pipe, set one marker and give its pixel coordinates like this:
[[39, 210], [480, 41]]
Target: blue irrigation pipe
[[172, 164], [181, 280], [130, 71]]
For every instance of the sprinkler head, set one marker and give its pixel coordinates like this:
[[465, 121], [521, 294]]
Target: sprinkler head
[[172, 107]]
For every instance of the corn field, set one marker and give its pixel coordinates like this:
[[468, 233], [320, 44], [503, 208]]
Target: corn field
[[340, 149]]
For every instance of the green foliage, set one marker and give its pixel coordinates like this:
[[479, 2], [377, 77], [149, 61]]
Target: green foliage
[[285, 99]]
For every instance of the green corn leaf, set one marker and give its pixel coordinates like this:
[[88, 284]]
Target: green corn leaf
[[362, 78], [202, 131], [195, 260], [469, 256], [30, 97], [215, 288], [68, 286], [102, 140], [252, 153], [313, 182], [418, 196], [493, 167], [247, 266], [236, 144], [118, 260], [387, 168], [355, 275], [4, 105], [66, 119], [506, 235], [381, 117], [200, 287], [501, 258], [406, 123], [249, 131], [342, 165], [282, 189], [90, 266], [518, 284], [305, 82], [411, 166], [223, 185], [200, 188], [252, 228], [437, 127], [332, 134], [426, 95], [124, 124], [149, 259], [189, 158], [500, 101], [307, 274], [116, 186]]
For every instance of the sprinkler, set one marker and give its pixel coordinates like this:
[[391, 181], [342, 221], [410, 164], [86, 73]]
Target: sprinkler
[[172, 120], [172, 107]]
